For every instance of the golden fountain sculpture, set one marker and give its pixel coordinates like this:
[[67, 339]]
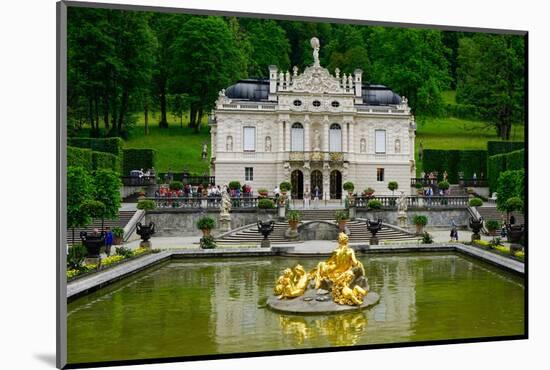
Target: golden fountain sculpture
[[342, 274]]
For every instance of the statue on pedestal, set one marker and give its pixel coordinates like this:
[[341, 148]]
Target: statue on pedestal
[[225, 207], [316, 45], [402, 210]]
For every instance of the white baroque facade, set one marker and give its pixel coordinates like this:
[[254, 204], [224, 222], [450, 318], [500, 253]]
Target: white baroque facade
[[315, 130]]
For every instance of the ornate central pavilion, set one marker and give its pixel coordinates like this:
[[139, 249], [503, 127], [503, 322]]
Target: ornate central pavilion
[[314, 129]]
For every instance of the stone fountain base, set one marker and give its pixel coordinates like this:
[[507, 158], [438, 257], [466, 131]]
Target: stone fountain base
[[317, 302]]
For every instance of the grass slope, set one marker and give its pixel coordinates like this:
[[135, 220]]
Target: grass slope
[[178, 148]]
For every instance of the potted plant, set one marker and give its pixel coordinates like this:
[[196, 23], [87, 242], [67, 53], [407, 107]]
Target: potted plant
[[263, 192], [475, 202], [205, 224], [443, 185], [348, 186], [419, 188], [118, 235], [146, 204], [293, 218], [234, 185], [285, 186], [420, 221], [492, 226], [368, 192], [374, 204], [176, 185], [393, 186], [266, 203], [342, 218]]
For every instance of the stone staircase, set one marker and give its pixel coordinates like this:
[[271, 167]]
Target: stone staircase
[[123, 219], [492, 213], [358, 230]]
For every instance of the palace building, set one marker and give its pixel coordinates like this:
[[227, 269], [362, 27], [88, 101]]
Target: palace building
[[313, 129]]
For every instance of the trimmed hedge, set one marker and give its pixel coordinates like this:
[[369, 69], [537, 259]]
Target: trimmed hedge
[[135, 159], [499, 163], [79, 157], [101, 160], [501, 147], [111, 145], [455, 161]]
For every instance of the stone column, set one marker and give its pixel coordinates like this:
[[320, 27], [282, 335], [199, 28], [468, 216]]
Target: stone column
[[281, 135], [345, 137], [326, 125], [307, 129]]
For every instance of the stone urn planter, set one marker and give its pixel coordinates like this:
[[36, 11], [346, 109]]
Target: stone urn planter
[[374, 227], [266, 228], [263, 193], [476, 226], [93, 243], [342, 218], [145, 232], [515, 234], [206, 224], [420, 221]]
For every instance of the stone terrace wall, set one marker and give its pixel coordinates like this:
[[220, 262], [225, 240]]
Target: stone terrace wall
[[436, 217], [182, 222]]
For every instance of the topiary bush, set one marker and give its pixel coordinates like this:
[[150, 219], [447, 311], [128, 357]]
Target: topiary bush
[[341, 216], [500, 147], [393, 186], [207, 242], [111, 145], [454, 161], [427, 238], [146, 204], [443, 185], [206, 223], [492, 225], [513, 204], [266, 203], [374, 204], [234, 185], [105, 161], [293, 216], [348, 186], [124, 252], [285, 186], [176, 185], [420, 220], [475, 202]]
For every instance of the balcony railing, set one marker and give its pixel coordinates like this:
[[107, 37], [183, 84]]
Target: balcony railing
[[317, 156], [243, 202], [390, 202]]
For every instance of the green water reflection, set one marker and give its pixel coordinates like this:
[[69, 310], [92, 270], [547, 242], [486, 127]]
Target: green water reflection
[[208, 306]]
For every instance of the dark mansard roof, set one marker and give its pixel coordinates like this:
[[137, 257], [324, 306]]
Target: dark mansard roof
[[258, 90]]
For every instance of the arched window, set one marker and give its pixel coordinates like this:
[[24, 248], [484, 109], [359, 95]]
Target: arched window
[[335, 138], [297, 137]]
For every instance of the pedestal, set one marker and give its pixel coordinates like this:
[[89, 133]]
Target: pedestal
[[145, 244], [224, 222], [476, 236], [265, 243], [282, 212], [351, 213], [515, 248], [291, 233], [402, 218], [92, 261], [373, 241]]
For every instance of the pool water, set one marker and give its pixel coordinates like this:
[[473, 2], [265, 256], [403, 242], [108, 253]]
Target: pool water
[[210, 306]]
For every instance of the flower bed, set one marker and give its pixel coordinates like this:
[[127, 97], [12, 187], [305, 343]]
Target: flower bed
[[107, 262], [499, 249]]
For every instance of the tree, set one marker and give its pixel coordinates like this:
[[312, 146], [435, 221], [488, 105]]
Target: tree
[[413, 63], [347, 50], [179, 104], [510, 184], [269, 46], [490, 76], [205, 60], [79, 191], [94, 209], [165, 27], [393, 186], [107, 191]]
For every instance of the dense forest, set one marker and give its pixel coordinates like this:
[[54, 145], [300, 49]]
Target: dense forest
[[121, 63]]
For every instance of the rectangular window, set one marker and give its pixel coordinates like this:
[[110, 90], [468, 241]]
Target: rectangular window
[[380, 174], [380, 141], [249, 139], [249, 174]]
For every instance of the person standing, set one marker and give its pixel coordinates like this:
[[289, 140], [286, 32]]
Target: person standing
[[316, 197], [108, 240]]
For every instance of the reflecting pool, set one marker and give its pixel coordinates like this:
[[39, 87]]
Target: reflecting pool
[[208, 306]]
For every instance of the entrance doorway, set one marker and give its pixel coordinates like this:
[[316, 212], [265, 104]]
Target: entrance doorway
[[335, 185], [316, 184], [297, 182]]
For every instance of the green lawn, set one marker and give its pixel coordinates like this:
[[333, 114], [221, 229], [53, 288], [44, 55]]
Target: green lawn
[[455, 133], [177, 148]]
